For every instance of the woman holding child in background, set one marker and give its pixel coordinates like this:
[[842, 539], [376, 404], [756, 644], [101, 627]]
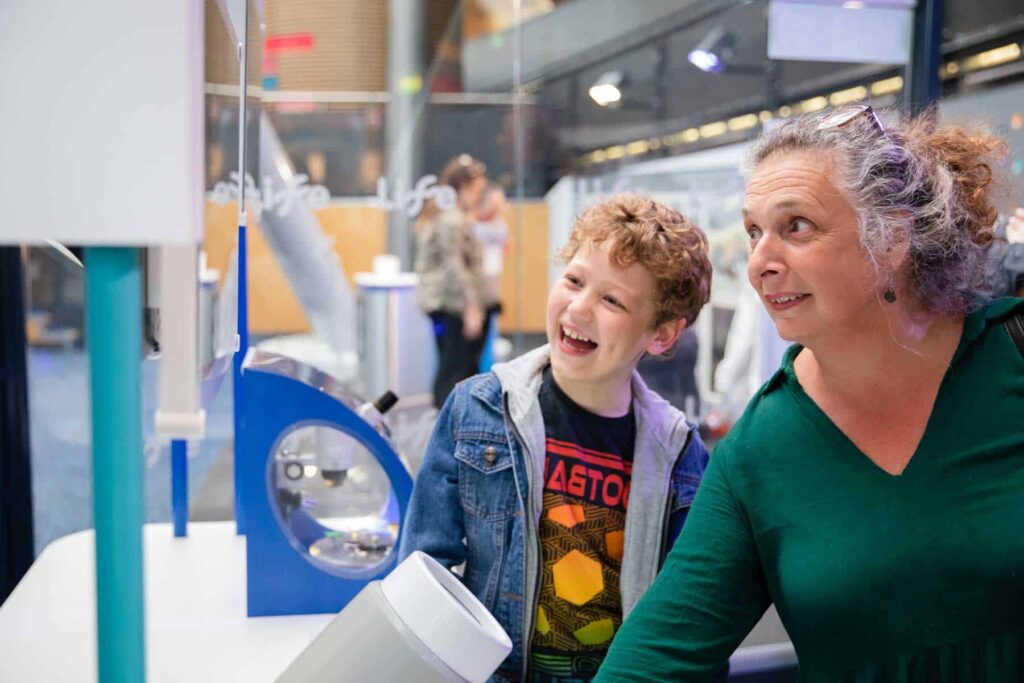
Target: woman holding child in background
[[874, 488], [452, 288]]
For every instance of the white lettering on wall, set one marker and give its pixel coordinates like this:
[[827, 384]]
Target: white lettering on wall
[[278, 199], [412, 201]]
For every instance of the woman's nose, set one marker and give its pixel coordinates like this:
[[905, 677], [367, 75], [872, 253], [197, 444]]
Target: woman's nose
[[765, 259]]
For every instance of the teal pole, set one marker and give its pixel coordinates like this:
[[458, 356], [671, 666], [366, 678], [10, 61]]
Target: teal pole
[[113, 321]]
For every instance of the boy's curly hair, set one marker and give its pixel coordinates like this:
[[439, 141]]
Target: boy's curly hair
[[662, 240]]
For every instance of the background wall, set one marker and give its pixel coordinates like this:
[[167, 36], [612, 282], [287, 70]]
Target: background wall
[[359, 233]]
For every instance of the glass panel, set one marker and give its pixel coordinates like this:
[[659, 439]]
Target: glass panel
[[58, 373], [334, 500]]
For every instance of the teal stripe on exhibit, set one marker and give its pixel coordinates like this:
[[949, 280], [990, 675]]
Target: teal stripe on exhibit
[[113, 320]]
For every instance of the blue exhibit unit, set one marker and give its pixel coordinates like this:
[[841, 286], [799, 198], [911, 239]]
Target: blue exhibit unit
[[282, 395]]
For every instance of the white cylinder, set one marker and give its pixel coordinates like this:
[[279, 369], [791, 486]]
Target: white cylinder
[[418, 624]]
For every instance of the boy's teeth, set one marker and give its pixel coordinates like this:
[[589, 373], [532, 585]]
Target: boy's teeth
[[784, 299], [578, 337]]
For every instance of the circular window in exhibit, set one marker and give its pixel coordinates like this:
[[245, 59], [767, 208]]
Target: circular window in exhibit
[[334, 501]]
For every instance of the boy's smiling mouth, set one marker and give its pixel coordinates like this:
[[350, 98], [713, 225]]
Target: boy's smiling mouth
[[574, 342]]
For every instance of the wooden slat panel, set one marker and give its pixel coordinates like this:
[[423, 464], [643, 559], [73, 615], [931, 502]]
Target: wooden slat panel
[[350, 49], [536, 265]]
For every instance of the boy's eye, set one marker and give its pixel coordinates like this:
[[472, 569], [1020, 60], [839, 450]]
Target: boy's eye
[[573, 280], [614, 302], [754, 233]]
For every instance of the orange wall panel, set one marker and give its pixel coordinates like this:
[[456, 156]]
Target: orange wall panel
[[359, 233]]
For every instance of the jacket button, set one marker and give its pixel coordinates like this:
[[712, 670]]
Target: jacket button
[[490, 454]]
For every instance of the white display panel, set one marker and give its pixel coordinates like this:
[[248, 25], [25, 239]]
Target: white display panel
[[101, 121], [872, 31]]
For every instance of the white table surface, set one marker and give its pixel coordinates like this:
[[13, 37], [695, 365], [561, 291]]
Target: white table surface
[[196, 626]]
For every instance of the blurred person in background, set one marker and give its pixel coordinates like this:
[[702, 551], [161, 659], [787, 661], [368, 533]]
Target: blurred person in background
[[753, 352], [492, 232], [452, 288], [1006, 257], [874, 488], [674, 376]]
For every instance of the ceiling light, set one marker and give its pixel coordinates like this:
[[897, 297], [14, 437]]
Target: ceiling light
[[607, 89], [712, 130], [847, 96], [887, 86], [616, 151], [743, 122], [814, 104], [638, 147], [994, 57], [714, 52]]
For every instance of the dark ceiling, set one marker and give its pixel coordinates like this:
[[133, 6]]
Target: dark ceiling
[[672, 94]]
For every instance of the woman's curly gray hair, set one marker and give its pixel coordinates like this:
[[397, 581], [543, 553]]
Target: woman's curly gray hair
[[938, 176]]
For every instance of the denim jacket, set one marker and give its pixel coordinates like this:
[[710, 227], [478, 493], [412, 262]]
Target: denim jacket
[[481, 480]]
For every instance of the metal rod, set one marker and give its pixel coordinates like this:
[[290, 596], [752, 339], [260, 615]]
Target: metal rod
[[519, 161], [242, 87], [179, 486], [243, 282], [921, 84], [236, 376], [113, 321]]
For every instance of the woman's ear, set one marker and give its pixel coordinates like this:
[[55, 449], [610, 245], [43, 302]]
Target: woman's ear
[[665, 336], [897, 252]]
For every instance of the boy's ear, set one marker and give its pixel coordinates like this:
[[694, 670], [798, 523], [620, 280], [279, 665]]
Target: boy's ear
[[665, 336]]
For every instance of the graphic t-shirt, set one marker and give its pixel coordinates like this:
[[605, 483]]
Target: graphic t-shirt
[[587, 469]]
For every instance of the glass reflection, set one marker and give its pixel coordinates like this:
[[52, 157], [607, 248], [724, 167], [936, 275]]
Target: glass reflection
[[334, 500]]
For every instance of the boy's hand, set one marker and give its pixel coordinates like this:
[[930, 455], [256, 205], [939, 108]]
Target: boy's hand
[[472, 321]]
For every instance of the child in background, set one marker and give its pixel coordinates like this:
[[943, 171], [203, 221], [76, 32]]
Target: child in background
[[492, 233], [558, 479]]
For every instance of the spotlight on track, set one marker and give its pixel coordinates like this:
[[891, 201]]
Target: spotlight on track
[[714, 52], [607, 89]]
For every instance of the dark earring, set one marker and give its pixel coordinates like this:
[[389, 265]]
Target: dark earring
[[890, 295]]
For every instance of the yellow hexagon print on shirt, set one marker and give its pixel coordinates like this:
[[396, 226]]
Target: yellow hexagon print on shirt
[[595, 633], [567, 515], [543, 626], [613, 543], [577, 578]]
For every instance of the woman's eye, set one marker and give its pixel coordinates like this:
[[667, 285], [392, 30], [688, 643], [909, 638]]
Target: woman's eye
[[754, 233], [800, 225]]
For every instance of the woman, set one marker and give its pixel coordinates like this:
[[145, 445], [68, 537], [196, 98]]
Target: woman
[[874, 488], [452, 285]]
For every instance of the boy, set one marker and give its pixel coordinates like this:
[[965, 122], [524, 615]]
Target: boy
[[532, 467]]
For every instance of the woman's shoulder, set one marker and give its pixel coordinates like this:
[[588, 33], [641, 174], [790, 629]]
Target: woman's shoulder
[[996, 310], [990, 325], [767, 420]]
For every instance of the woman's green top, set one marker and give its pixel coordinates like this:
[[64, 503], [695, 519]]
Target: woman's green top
[[916, 577]]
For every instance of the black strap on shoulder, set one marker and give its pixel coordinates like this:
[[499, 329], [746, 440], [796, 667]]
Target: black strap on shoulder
[[1015, 326]]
